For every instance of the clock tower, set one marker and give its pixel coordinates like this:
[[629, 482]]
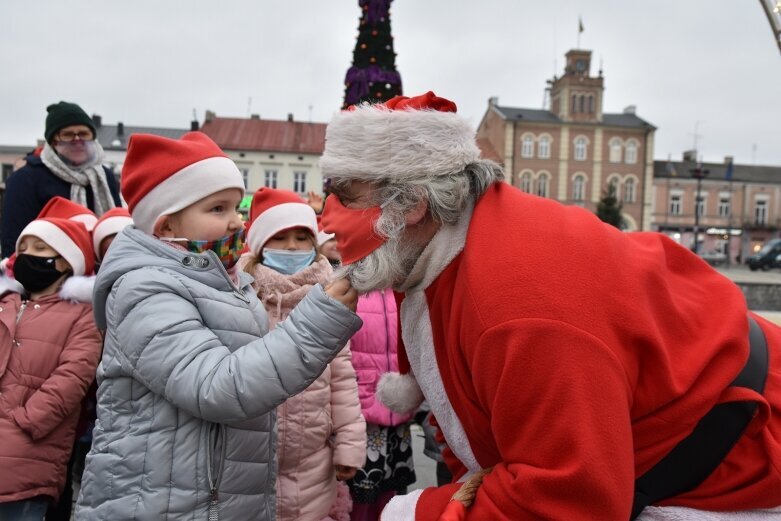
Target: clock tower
[[576, 95]]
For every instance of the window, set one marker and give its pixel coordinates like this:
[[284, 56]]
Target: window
[[582, 103], [631, 152], [724, 205], [675, 204], [614, 155], [760, 212], [7, 169], [591, 104], [629, 190], [526, 182], [579, 188], [542, 185], [543, 152], [527, 145], [299, 182], [574, 103], [699, 205], [245, 175], [580, 148], [271, 179]]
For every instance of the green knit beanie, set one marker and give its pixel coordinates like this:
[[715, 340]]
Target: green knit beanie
[[64, 114]]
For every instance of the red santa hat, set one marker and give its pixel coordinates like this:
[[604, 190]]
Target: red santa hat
[[402, 139], [273, 211], [162, 176], [110, 223], [68, 238], [61, 208]]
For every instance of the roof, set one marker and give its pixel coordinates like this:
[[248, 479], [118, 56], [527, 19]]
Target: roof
[[546, 116], [487, 150], [718, 172], [110, 138], [266, 135], [16, 149]]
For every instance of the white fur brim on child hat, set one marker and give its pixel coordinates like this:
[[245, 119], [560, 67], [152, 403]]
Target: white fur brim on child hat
[[273, 211], [162, 176], [110, 223], [68, 238]]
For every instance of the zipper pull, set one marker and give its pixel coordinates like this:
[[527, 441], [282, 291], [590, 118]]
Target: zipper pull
[[214, 513]]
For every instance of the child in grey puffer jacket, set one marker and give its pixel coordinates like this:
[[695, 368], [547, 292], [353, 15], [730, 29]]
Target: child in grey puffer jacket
[[190, 375]]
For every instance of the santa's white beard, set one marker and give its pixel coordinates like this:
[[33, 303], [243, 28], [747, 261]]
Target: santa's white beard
[[386, 267]]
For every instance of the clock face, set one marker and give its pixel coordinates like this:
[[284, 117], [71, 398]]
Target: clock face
[[580, 65]]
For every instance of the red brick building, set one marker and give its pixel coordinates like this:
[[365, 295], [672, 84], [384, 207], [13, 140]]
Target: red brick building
[[572, 151]]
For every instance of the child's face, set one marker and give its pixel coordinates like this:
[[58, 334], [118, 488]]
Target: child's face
[[329, 250], [292, 239], [104, 245], [32, 245], [211, 218]]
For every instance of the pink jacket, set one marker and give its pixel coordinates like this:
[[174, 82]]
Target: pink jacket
[[322, 426], [49, 350], [374, 349]]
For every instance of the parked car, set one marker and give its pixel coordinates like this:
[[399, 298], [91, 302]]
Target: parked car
[[767, 257], [714, 258]]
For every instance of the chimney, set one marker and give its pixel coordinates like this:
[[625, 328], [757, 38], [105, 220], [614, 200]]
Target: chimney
[[290, 117], [630, 109], [120, 129], [254, 116], [194, 125], [210, 115], [728, 159], [690, 155], [97, 120], [493, 101]]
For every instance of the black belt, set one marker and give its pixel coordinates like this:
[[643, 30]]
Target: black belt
[[694, 459]]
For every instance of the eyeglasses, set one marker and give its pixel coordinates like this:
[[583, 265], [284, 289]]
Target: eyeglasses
[[68, 136]]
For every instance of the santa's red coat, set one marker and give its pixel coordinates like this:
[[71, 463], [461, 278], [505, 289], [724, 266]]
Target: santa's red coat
[[571, 357]]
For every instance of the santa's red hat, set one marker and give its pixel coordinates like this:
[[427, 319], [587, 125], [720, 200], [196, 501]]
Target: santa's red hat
[[68, 238], [110, 223], [162, 176], [273, 211], [61, 208], [402, 139]]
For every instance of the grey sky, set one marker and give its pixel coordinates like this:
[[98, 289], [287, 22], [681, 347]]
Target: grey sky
[[151, 62]]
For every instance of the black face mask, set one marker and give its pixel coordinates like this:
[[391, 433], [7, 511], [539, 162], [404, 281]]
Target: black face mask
[[36, 273]]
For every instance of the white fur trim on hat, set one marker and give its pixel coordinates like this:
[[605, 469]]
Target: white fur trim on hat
[[8, 284], [323, 237], [372, 143], [88, 220], [399, 392], [189, 185], [77, 289], [60, 242], [277, 218], [107, 227]]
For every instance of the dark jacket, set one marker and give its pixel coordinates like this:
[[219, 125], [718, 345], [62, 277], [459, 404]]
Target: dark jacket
[[29, 189]]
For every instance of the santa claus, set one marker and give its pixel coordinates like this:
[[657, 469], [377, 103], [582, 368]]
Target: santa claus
[[581, 372]]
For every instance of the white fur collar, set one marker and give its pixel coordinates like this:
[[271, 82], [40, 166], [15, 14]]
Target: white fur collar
[[78, 289]]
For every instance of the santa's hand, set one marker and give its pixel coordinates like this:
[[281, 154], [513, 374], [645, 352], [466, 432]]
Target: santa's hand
[[344, 292]]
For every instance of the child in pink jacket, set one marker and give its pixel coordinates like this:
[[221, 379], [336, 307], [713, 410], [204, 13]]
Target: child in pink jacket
[[49, 350], [321, 433]]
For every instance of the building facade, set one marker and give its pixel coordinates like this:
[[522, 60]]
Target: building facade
[[272, 153], [574, 151], [738, 209]]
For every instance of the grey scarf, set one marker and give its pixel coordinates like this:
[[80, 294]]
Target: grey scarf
[[89, 174]]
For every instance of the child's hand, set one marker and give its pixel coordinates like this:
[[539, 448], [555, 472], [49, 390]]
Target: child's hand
[[342, 290], [344, 473]]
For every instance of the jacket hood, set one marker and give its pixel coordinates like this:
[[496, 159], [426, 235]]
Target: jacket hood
[[133, 250]]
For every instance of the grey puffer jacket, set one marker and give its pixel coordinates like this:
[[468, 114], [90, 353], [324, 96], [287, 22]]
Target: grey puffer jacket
[[187, 386]]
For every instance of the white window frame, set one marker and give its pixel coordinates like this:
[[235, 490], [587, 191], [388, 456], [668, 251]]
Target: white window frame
[[543, 184], [760, 211], [615, 146], [725, 204], [270, 178], [701, 206], [579, 188], [544, 147], [527, 181], [674, 204], [630, 155], [299, 182], [581, 148], [630, 189], [527, 146], [244, 169]]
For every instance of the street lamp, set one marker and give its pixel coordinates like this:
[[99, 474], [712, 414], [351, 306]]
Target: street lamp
[[698, 173]]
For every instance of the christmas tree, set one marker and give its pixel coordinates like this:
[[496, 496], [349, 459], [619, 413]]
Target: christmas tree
[[373, 76], [609, 207]]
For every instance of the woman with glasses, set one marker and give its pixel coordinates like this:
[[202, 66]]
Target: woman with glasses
[[69, 165]]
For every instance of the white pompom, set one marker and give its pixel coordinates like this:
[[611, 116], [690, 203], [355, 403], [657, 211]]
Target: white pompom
[[399, 392]]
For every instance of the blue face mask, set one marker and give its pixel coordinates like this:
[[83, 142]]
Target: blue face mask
[[288, 261]]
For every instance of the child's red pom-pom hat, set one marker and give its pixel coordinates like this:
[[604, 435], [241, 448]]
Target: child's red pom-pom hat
[[162, 176], [273, 211], [68, 238], [61, 208], [110, 223]]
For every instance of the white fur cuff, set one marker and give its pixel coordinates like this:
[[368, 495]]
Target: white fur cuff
[[77, 289], [401, 508], [399, 392]]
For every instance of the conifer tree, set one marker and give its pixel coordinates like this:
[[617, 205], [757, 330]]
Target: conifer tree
[[609, 207]]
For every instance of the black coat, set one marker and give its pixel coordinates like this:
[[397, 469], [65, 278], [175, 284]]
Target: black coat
[[29, 189]]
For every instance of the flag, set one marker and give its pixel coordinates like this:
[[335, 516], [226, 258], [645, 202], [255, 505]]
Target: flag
[[580, 24], [728, 175], [671, 170]]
